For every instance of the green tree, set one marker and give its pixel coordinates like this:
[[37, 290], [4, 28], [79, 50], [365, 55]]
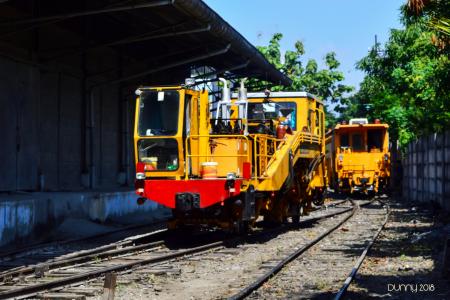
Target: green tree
[[408, 83], [433, 13], [325, 83]]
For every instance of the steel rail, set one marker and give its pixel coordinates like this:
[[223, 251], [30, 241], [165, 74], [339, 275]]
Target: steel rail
[[35, 247], [102, 251], [265, 277], [82, 258], [360, 260], [31, 290]]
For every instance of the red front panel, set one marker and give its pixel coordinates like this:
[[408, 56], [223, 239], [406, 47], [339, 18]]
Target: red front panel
[[211, 191]]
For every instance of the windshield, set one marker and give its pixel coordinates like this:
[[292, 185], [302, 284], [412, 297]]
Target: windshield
[[357, 141], [274, 110], [158, 113], [159, 154]]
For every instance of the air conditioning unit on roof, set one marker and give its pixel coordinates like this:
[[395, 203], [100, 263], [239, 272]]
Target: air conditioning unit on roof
[[359, 121]]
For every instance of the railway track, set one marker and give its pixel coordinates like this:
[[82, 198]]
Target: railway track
[[62, 276], [315, 255], [25, 260], [65, 272], [103, 252], [360, 260], [36, 253]]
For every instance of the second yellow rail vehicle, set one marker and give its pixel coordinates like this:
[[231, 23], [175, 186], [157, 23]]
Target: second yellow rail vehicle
[[358, 157]]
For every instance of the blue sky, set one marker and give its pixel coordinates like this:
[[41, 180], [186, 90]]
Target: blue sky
[[347, 27]]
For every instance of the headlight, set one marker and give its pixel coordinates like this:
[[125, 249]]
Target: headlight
[[231, 176]]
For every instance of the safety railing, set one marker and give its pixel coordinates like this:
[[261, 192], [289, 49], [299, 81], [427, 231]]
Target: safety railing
[[306, 137], [210, 156], [265, 151]]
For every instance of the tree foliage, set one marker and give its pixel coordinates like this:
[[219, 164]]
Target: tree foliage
[[407, 84], [433, 13], [325, 83]]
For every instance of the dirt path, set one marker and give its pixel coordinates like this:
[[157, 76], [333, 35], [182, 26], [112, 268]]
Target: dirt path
[[409, 251]]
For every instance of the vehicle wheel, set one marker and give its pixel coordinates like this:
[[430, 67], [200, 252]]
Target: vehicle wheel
[[318, 198], [241, 227], [295, 213]]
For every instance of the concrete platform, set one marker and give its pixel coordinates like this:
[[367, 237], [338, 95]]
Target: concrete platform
[[31, 217]]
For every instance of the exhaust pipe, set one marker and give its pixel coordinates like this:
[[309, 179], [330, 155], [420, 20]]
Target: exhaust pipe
[[242, 99], [242, 94], [226, 98]]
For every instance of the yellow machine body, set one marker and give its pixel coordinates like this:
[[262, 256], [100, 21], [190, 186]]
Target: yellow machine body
[[263, 156], [358, 158]]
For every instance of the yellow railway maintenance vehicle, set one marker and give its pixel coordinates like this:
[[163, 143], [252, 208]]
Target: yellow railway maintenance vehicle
[[358, 157], [260, 154]]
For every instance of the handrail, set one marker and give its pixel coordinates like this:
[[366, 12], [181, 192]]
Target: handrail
[[306, 137], [265, 160], [262, 144], [209, 155]]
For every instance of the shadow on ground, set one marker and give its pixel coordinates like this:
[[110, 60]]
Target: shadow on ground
[[406, 262]]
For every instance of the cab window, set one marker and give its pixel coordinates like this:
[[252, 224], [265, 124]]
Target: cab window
[[357, 142], [374, 139], [344, 141]]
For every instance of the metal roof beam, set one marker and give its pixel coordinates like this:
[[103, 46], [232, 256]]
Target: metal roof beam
[[237, 67], [62, 17], [223, 31], [166, 67], [134, 39], [152, 60], [162, 35]]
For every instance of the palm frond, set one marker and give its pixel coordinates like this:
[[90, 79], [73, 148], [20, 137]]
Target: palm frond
[[416, 6], [441, 24]]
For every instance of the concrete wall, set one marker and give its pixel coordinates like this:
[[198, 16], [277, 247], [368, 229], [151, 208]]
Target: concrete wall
[[25, 218], [426, 170]]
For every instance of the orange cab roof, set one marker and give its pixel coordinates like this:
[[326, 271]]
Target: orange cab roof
[[340, 126]]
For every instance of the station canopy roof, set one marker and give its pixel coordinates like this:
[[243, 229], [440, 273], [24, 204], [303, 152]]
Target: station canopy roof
[[163, 39]]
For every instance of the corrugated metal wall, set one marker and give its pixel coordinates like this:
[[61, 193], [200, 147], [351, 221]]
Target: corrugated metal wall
[[426, 170], [41, 130]]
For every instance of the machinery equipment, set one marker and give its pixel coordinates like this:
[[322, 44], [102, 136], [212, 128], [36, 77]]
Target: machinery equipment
[[225, 164], [358, 157]]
